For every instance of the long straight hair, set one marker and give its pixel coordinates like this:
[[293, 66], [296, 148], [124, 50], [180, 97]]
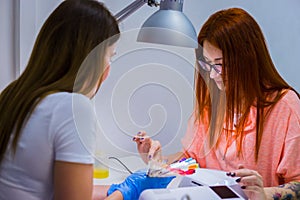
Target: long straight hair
[[249, 75], [71, 33]]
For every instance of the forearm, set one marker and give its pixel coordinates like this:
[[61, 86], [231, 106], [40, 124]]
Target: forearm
[[286, 191], [100, 192]]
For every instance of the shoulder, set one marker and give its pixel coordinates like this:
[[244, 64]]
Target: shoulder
[[290, 102], [65, 109], [65, 102], [61, 98], [285, 115], [291, 97]]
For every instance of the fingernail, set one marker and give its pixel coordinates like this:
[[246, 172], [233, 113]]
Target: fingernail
[[243, 187], [228, 173], [134, 138], [232, 174], [238, 180], [139, 133], [149, 156], [142, 138]]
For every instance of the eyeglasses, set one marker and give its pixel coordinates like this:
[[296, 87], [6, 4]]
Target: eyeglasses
[[207, 66]]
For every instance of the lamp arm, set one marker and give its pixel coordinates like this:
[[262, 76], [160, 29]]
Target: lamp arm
[[131, 8]]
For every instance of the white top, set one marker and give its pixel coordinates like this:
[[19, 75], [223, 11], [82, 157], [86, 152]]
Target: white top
[[62, 127]]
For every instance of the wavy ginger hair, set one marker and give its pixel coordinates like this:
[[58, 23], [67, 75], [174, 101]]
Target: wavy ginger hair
[[248, 73]]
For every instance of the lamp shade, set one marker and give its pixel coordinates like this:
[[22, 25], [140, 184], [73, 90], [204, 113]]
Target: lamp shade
[[169, 26]]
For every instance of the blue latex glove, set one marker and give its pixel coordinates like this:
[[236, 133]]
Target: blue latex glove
[[137, 182]]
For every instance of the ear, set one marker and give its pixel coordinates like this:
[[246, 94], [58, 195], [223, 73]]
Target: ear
[[105, 73]]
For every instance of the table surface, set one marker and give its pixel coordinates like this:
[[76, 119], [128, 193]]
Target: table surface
[[117, 173]]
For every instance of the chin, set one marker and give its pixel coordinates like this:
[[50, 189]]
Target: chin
[[220, 85]]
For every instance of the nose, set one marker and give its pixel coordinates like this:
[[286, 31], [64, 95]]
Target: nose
[[213, 74]]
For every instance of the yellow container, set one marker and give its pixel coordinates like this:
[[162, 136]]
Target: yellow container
[[101, 169], [101, 172]]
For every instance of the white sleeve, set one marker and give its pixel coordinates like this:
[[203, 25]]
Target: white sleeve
[[74, 130]]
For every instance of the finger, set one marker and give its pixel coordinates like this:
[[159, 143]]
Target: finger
[[254, 188], [140, 136], [157, 155], [140, 140], [252, 181], [143, 149], [142, 133], [144, 146], [245, 172], [155, 146], [249, 177]]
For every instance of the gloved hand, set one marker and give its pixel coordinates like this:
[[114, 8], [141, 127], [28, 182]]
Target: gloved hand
[[137, 182]]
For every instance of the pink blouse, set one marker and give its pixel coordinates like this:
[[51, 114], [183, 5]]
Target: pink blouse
[[279, 155]]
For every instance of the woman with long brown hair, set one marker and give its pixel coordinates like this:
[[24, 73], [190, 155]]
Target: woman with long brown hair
[[246, 119], [47, 122]]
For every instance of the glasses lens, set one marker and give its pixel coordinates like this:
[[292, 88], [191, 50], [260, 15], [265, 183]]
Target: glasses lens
[[218, 68], [204, 65]]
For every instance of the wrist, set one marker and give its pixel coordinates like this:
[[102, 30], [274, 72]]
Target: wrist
[[115, 195], [128, 193]]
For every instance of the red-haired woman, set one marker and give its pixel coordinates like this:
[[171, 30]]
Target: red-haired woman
[[246, 119], [46, 112]]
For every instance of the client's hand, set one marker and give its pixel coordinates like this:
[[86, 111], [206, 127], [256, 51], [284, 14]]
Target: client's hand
[[251, 182], [137, 182], [148, 148]]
